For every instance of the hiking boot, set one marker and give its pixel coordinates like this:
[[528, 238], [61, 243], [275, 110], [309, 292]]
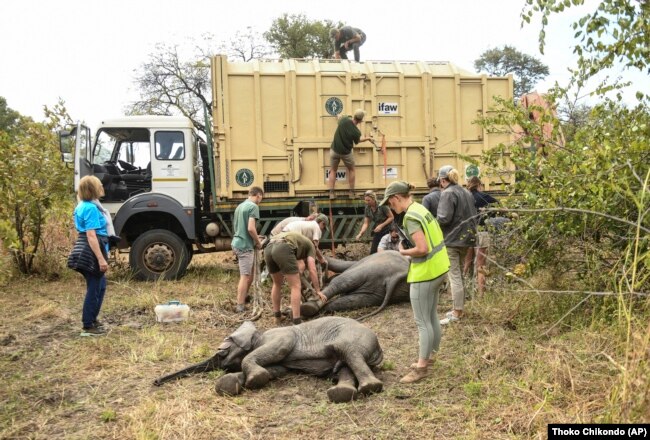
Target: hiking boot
[[351, 194], [98, 324], [92, 331], [415, 374], [241, 308], [332, 195]]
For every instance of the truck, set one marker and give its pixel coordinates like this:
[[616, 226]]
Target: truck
[[173, 194]]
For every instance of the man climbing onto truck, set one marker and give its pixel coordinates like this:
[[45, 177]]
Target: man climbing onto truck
[[345, 39], [346, 136]]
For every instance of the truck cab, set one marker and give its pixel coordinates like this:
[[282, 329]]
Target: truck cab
[[148, 166]]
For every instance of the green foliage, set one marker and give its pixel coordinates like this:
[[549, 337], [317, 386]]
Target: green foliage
[[32, 179], [526, 69], [108, 415], [296, 36], [614, 33], [604, 172], [8, 117]]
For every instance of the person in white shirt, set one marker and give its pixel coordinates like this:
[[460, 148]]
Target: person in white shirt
[[280, 225], [390, 241], [313, 230]]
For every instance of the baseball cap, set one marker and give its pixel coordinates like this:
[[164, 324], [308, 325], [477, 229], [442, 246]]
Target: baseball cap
[[323, 219], [444, 171], [397, 187]]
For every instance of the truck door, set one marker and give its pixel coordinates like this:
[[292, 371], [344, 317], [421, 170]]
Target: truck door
[[75, 146], [171, 166]]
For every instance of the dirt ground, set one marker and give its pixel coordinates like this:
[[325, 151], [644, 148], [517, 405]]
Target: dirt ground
[[489, 381]]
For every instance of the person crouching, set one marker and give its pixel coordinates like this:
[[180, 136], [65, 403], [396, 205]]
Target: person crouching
[[281, 256]]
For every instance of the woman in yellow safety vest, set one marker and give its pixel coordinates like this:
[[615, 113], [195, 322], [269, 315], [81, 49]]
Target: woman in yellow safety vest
[[425, 246]]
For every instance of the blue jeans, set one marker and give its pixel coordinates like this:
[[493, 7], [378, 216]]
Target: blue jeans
[[95, 289]]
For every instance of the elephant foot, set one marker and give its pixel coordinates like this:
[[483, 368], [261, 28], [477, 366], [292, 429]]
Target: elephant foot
[[230, 384], [310, 308], [373, 385], [342, 393], [258, 378]]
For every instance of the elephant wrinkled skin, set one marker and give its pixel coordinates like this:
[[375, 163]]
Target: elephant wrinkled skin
[[320, 347], [376, 280]]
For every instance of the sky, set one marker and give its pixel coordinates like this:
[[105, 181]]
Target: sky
[[86, 51]]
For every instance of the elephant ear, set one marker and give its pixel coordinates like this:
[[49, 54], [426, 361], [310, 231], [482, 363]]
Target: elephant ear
[[244, 336]]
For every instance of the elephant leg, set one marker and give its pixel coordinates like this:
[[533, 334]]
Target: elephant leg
[[277, 371], [352, 301], [271, 353], [368, 382], [345, 389], [230, 384]]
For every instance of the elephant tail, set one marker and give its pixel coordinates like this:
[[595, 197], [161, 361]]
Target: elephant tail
[[390, 288], [203, 367]]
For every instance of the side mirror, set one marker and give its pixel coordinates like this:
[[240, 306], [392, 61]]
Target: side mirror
[[67, 139]]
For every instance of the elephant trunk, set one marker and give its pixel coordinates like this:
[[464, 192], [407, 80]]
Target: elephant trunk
[[209, 365], [339, 266]]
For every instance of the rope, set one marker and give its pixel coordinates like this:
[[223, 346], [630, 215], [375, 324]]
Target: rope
[[383, 150], [331, 227], [259, 303]]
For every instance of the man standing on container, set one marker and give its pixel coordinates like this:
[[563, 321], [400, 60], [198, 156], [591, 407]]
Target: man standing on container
[[345, 39], [245, 240], [346, 136]]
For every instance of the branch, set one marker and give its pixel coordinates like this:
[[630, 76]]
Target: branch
[[564, 209], [571, 292]]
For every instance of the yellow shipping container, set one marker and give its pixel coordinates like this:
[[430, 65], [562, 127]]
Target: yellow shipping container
[[274, 122]]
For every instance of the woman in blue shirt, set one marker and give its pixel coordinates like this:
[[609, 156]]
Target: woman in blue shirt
[[91, 250]]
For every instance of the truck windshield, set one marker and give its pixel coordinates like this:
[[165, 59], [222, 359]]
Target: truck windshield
[[128, 147]]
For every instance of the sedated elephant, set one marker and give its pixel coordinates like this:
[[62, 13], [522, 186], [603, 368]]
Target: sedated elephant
[[322, 347], [376, 280]]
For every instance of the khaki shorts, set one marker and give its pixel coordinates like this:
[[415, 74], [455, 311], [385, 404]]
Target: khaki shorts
[[279, 257], [335, 158], [245, 258], [483, 239]]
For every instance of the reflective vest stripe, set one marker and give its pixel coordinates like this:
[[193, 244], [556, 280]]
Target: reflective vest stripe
[[434, 249]]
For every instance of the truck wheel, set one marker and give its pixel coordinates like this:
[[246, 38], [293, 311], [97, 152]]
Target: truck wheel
[[158, 254]]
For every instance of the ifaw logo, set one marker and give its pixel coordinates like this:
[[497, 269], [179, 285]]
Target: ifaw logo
[[387, 108], [341, 175]]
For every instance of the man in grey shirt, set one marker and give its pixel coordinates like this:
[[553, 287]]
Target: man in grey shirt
[[345, 39]]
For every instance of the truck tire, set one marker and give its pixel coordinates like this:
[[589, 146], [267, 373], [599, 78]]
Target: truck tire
[[157, 254]]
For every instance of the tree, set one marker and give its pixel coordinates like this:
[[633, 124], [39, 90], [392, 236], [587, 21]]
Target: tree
[[603, 169], [526, 69], [172, 83], [296, 36], [246, 46], [615, 33], [169, 86], [8, 117], [32, 180]]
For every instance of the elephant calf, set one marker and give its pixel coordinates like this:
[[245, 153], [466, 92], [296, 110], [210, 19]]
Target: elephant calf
[[322, 347]]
